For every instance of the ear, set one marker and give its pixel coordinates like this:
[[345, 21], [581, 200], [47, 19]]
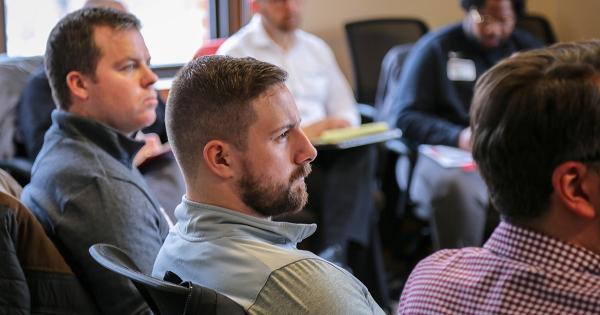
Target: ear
[[573, 187], [77, 83], [219, 158]]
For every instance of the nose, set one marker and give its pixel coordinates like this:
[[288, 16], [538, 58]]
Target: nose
[[148, 76], [493, 29], [306, 152]]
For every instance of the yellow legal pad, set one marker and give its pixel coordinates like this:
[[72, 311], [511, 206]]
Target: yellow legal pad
[[344, 134], [345, 138]]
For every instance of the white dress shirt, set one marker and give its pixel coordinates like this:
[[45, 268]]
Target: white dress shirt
[[315, 80]]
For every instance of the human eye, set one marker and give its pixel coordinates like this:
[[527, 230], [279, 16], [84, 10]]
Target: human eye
[[129, 66], [284, 135]]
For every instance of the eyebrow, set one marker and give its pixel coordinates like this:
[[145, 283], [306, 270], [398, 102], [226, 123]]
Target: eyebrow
[[134, 59], [287, 127]]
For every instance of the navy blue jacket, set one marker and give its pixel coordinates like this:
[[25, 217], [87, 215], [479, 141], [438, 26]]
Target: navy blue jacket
[[432, 109]]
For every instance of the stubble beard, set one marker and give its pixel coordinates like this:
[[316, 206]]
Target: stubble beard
[[264, 196]]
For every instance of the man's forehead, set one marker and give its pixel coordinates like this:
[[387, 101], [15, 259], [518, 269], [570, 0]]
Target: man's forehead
[[130, 40], [498, 7], [112, 31], [276, 106]]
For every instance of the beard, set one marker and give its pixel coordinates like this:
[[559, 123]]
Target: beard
[[268, 198]]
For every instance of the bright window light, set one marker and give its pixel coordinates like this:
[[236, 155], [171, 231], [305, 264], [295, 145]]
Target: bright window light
[[173, 30]]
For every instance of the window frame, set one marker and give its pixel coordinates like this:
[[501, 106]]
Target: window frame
[[2, 28], [226, 17]]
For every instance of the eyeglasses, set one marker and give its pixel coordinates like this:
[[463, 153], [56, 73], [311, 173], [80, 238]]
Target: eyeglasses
[[488, 20]]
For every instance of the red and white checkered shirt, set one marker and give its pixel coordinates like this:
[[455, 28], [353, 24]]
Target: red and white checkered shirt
[[518, 271]]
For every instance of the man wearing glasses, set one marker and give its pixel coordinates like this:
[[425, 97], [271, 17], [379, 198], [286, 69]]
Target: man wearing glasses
[[431, 104]]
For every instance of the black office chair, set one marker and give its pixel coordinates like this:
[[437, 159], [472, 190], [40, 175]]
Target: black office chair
[[391, 69], [378, 49], [165, 297], [369, 41], [404, 235], [539, 27]]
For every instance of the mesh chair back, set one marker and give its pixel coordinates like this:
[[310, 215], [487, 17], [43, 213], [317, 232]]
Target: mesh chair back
[[169, 296], [391, 69], [539, 27], [369, 41]]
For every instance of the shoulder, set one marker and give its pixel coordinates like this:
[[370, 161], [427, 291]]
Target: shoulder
[[434, 46], [237, 42], [313, 285], [62, 155], [442, 267], [311, 40], [445, 270], [68, 166], [525, 40], [439, 261], [440, 36], [314, 44]]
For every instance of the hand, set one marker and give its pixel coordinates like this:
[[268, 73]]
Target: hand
[[315, 130], [151, 148], [464, 139]]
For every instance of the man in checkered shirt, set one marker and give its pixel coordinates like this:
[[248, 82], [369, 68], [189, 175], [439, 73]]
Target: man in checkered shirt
[[536, 127]]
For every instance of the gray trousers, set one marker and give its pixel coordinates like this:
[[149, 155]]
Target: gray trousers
[[455, 202]]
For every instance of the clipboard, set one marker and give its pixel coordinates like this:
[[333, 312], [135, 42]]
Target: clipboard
[[357, 136]]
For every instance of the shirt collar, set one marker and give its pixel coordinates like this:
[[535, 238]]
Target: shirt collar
[[260, 37], [118, 145], [536, 249], [210, 222]]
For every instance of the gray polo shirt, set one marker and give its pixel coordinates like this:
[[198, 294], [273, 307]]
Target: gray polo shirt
[[256, 263]]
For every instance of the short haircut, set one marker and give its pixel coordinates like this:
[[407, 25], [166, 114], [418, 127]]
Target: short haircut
[[529, 114], [211, 99], [71, 46], [518, 5]]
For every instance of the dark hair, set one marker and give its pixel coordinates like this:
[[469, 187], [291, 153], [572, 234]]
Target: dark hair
[[210, 99], [518, 5], [530, 113], [71, 46]]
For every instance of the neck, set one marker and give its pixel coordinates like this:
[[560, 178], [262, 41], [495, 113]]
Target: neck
[[283, 39], [562, 224], [220, 195]]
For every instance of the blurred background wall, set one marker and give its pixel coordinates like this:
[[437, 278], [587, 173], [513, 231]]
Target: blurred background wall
[[571, 20]]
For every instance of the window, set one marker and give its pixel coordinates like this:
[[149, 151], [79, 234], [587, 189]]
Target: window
[[173, 30]]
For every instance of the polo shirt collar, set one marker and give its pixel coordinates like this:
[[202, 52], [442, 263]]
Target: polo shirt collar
[[115, 143]]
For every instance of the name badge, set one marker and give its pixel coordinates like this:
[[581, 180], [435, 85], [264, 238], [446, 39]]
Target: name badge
[[459, 69]]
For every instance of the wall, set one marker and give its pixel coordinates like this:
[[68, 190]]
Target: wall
[[326, 18], [577, 19]]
